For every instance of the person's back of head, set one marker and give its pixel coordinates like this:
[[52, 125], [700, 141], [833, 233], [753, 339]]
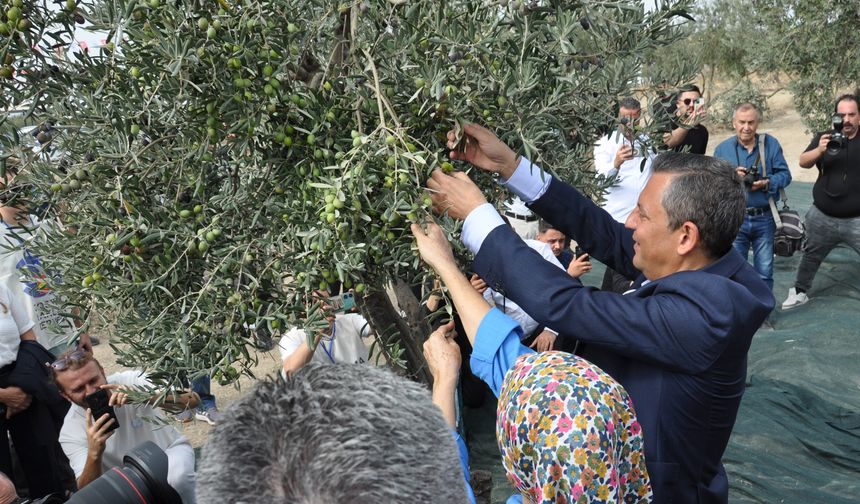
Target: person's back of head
[[329, 434], [707, 192]]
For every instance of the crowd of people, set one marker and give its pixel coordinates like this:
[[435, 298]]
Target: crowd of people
[[626, 393]]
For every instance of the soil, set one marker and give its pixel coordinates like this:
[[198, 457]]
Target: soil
[[269, 363]]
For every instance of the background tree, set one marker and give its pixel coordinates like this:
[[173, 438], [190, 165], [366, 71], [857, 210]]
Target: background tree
[[216, 162]]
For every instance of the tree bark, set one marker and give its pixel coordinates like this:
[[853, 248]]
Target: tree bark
[[408, 331]]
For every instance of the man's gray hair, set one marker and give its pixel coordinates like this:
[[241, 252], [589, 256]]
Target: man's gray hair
[[707, 192], [332, 434], [630, 103], [743, 107]]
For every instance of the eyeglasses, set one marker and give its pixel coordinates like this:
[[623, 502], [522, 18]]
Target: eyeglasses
[[63, 363], [688, 101]]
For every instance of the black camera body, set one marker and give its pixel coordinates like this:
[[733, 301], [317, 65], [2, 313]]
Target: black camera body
[[753, 175], [837, 138]]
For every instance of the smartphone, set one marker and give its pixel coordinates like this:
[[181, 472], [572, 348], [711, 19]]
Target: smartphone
[[343, 303], [99, 403], [577, 251]]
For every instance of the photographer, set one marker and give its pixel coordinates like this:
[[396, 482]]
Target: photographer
[[684, 132], [834, 217], [95, 445], [761, 165], [340, 342]]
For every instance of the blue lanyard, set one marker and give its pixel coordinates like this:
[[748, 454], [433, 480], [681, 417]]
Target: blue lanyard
[[330, 350]]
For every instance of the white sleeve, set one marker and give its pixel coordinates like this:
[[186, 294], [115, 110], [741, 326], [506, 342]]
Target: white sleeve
[[478, 225], [291, 341], [19, 312], [528, 181], [604, 157], [545, 251]]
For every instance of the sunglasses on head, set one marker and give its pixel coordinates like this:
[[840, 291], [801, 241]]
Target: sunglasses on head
[[63, 363]]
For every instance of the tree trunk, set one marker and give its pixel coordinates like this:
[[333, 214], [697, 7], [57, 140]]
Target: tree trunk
[[407, 332]]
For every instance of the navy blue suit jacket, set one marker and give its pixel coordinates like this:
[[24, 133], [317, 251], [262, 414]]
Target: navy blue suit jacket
[[678, 344]]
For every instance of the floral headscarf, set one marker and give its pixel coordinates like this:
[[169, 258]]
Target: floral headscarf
[[568, 433]]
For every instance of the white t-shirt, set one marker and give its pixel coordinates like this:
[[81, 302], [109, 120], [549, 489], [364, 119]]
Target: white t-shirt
[[346, 346], [51, 327], [133, 429], [514, 310], [13, 322]]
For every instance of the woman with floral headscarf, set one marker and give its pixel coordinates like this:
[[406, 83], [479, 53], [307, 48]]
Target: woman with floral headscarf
[[567, 431]]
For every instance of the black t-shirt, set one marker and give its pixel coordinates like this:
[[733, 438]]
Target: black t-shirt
[[696, 141], [664, 113], [837, 190]]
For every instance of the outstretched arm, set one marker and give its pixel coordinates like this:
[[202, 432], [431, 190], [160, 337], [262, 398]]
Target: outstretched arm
[[436, 251]]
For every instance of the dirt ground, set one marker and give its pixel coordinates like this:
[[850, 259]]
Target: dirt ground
[[196, 431], [782, 122]]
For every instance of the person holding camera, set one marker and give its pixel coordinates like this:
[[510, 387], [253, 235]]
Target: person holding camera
[[685, 132], [834, 217], [762, 166], [102, 425], [626, 156], [340, 342]]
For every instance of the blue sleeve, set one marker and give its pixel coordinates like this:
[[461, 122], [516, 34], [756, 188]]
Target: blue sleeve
[[497, 346], [464, 463], [780, 175]]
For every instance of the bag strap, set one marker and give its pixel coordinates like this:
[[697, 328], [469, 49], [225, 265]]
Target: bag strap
[[763, 156]]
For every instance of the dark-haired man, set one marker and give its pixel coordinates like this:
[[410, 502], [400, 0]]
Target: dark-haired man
[[678, 341], [834, 217], [685, 132], [626, 156]]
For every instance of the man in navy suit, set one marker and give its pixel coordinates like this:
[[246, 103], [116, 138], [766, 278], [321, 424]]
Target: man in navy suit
[[678, 340]]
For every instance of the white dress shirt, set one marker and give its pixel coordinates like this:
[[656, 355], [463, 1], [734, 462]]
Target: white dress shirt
[[630, 177]]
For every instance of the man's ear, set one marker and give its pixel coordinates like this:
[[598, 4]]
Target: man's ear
[[689, 238]]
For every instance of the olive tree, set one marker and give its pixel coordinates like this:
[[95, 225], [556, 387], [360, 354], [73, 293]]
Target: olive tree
[[215, 162]]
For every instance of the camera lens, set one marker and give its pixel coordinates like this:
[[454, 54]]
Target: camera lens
[[141, 479], [118, 485]]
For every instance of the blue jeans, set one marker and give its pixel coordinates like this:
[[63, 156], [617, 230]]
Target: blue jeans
[[757, 231], [201, 386]]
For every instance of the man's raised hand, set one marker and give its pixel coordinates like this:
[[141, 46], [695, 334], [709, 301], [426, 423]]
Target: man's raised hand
[[483, 149], [455, 194]]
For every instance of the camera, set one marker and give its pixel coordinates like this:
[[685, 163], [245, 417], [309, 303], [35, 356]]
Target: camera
[[141, 478], [837, 139], [753, 175]]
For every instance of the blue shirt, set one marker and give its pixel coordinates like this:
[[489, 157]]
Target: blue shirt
[[777, 169], [497, 347]]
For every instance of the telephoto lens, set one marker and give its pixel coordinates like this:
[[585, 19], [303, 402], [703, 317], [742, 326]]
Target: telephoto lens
[[142, 479], [837, 139]]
